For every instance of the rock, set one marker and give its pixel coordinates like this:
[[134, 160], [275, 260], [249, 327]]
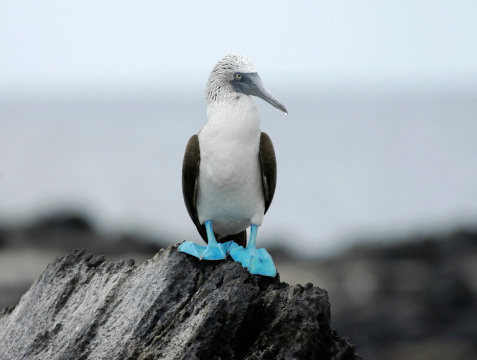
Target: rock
[[414, 297], [170, 307], [67, 230], [25, 250]]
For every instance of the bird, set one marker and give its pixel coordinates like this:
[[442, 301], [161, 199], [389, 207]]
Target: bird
[[229, 168]]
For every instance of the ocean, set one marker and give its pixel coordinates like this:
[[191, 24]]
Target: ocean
[[351, 166]]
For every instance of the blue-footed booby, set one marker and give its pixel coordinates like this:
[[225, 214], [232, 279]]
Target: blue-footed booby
[[229, 168]]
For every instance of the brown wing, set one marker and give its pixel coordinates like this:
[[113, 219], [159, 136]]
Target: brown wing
[[269, 168], [190, 176]]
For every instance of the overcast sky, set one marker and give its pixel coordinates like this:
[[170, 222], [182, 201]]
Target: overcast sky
[[50, 44]]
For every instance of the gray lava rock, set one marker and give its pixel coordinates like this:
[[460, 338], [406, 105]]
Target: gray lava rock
[[170, 307]]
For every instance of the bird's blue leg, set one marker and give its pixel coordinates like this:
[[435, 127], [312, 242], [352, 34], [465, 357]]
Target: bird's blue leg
[[258, 261], [213, 250]]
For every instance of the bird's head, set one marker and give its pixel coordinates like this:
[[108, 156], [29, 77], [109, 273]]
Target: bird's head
[[233, 74]]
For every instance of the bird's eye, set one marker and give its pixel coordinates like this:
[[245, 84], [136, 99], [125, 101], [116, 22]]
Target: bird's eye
[[238, 76]]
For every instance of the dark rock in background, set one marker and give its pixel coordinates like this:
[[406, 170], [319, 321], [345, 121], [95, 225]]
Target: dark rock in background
[[64, 232], [408, 300], [171, 307]]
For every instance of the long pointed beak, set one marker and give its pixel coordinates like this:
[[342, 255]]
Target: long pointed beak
[[251, 84]]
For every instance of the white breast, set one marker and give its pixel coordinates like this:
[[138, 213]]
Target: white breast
[[230, 189]]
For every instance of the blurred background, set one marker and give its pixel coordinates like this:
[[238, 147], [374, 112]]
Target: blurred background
[[376, 198]]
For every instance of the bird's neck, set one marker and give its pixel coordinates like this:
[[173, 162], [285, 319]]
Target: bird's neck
[[235, 113], [232, 124]]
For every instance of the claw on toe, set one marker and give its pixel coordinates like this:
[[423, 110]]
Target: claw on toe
[[257, 261]]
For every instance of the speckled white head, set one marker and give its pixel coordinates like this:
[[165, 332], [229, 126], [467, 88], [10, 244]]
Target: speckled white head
[[233, 76], [218, 86]]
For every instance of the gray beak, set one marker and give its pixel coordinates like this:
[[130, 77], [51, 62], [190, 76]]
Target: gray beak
[[251, 84]]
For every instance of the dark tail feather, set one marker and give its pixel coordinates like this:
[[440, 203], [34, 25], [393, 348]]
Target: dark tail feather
[[240, 238]]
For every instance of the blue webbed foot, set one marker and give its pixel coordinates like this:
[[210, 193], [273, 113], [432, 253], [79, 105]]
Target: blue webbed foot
[[257, 261], [192, 248], [213, 250], [209, 252]]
